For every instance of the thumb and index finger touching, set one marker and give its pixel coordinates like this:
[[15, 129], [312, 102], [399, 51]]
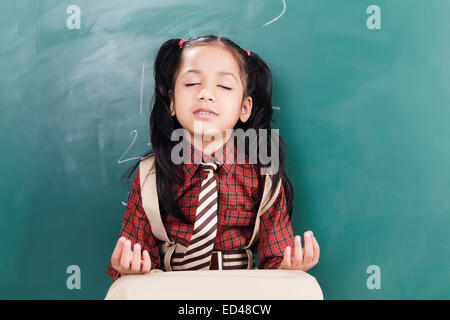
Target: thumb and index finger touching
[[119, 251]]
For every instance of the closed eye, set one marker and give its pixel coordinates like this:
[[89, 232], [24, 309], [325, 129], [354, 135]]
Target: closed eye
[[193, 84]]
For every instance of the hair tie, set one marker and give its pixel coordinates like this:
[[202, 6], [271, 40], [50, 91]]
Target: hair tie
[[248, 52], [180, 44]]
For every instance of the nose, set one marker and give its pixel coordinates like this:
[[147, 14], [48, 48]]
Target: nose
[[206, 94]]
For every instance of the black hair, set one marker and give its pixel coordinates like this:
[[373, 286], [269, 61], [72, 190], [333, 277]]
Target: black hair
[[257, 80]]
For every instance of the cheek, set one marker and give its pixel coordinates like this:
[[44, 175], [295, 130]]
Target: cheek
[[231, 117], [180, 96]]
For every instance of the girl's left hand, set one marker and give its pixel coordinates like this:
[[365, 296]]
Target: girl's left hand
[[304, 259]]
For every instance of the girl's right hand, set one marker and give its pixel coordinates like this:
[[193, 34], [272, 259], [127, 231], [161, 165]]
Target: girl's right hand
[[129, 262]]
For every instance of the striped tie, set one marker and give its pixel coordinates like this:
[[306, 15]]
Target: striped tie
[[198, 254]]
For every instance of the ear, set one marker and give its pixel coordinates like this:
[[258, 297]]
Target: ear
[[172, 109], [246, 109]]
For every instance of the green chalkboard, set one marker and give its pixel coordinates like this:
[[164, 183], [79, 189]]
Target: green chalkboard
[[361, 95]]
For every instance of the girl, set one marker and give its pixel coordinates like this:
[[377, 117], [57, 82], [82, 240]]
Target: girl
[[211, 81]]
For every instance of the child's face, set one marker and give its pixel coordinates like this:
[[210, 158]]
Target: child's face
[[206, 88]]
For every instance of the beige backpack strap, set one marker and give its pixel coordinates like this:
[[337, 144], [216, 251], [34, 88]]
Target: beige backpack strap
[[266, 203], [149, 196]]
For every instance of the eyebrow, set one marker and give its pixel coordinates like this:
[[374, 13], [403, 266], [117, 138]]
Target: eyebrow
[[222, 73]]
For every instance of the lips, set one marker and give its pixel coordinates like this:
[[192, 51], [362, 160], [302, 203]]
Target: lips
[[203, 109], [204, 113]]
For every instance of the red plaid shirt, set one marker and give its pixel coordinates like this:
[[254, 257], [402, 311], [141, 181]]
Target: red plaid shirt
[[237, 186]]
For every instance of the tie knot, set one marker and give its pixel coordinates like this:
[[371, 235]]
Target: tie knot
[[212, 166]]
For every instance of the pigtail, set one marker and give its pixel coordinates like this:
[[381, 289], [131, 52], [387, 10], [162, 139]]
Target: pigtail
[[162, 124], [260, 84], [259, 87]]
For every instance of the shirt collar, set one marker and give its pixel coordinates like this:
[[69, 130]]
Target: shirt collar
[[224, 155]]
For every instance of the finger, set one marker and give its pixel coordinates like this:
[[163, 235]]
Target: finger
[[125, 259], [287, 258], [309, 251], [115, 257], [298, 254], [316, 250], [136, 259], [147, 264]]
